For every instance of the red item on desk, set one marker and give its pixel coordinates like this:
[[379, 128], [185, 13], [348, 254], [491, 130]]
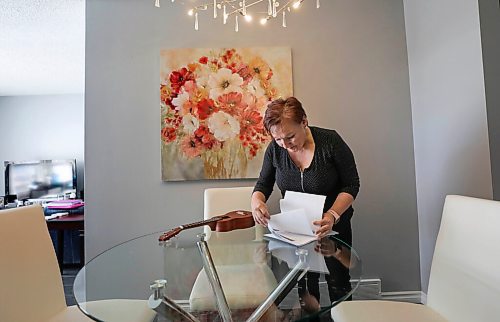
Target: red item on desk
[[65, 204]]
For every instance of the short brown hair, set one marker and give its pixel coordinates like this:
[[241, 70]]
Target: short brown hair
[[279, 109]]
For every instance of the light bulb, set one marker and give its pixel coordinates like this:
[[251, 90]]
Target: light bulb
[[263, 21], [190, 12], [296, 4], [248, 18]]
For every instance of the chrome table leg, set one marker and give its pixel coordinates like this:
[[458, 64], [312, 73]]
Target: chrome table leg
[[298, 270], [214, 280]]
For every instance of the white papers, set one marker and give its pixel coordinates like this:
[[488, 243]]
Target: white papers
[[293, 221], [294, 224], [56, 215], [312, 205]]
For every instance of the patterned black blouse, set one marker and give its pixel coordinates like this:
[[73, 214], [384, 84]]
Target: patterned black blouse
[[332, 170]]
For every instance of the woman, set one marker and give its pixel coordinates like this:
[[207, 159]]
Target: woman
[[307, 159], [312, 160]]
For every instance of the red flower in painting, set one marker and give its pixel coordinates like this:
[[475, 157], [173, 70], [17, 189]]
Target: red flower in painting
[[205, 108], [250, 121], [206, 138], [178, 78], [204, 60], [231, 102], [168, 134]]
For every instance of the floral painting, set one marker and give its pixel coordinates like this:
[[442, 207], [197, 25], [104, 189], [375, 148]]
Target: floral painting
[[212, 106]]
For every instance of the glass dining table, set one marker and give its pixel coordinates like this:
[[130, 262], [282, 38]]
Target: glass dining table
[[200, 275]]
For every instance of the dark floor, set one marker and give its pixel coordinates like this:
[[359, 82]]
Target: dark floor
[[68, 276]]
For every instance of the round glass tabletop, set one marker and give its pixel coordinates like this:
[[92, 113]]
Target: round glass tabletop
[[232, 276]]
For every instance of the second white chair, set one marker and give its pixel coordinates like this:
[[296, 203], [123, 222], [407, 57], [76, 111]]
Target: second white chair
[[464, 283]]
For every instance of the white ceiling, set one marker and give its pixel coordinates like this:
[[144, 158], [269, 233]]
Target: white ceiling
[[42, 47]]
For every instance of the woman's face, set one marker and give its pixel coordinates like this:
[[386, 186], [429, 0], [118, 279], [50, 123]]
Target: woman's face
[[290, 135]]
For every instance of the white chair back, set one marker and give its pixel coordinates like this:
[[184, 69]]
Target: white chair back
[[30, 283], [464, 282], [218, 201]]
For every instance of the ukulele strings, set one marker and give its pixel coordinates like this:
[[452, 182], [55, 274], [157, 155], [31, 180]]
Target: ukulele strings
[[204, 222]]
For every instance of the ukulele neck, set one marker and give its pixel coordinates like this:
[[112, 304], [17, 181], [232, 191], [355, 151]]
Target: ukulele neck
[[202, 223]]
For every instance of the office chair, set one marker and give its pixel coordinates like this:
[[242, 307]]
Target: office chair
[[464, 282]]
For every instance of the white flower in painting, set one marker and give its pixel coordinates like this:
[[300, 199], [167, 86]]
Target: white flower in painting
[[202, 81], [223, 126], [180, 100], [190, 123], [255, 88], [224, 82]]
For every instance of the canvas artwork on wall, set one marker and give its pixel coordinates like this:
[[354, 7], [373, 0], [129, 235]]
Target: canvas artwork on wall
[[212, 106]]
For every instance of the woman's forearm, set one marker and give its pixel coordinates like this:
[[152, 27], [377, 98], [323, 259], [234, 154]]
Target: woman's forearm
[[342, 203]]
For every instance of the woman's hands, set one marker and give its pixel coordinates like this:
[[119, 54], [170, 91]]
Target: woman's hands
[[260, 212], [325, 225]]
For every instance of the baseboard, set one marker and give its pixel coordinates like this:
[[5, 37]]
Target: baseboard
[[418, 297]]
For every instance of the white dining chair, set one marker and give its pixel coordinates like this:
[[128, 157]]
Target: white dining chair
[[239, 256], [31, 286], [30, 282], [464, 282]]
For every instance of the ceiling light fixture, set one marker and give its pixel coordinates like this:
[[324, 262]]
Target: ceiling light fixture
[[225, 9]]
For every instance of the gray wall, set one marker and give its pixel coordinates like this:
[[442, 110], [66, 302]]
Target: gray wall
[[489, 11], [41, 128], [449, 110], [350, 70]]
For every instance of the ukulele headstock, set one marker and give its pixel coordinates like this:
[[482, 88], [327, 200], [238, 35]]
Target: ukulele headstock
[[169, 234]]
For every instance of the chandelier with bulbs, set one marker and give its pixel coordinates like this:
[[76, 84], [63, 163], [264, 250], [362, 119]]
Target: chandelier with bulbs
[[248, 10]]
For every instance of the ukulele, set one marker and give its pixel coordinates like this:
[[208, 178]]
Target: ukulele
[[237, 219]]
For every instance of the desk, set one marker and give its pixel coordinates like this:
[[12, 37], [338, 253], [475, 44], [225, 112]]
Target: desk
[[60, 224], [127, 271]]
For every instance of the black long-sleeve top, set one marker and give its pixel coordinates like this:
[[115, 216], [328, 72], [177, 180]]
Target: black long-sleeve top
[[332, 170]]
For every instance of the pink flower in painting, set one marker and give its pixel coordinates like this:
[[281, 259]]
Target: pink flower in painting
[[191, 147]]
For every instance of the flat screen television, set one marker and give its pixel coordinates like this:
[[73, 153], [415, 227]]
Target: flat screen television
[[42, 179]]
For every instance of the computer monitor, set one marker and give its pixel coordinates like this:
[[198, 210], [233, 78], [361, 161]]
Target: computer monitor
[[42, 179]]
